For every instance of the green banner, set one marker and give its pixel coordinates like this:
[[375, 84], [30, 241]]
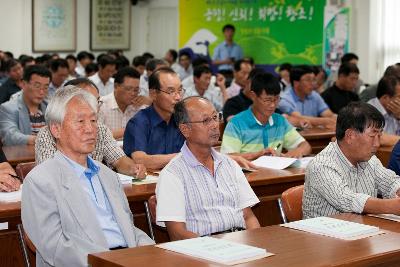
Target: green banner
[[270, 31]]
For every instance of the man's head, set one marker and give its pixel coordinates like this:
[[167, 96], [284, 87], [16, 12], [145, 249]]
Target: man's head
[[26, 60], [302, 79], [349, 58], [85, 58], [14, 70], [165, 89], [198, 121], [71, 59], [265, 89], [347, 77], [107, 67], [36, 84], [201, 77], [87, 85], [139, 63], [72, 119], [388, 89], [253, 73], [241, 71], [284, 71], [359, 127], [154, 64], [228, 30], [184, 59], [59, 71], [171, 56], [126, 86], [91, 69]]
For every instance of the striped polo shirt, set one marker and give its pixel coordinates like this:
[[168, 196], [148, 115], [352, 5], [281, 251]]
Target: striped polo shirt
[[207, 202], [244, 133]]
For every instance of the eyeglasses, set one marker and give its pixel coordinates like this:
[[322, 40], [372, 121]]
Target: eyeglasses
[[207, 121], [38, 86], [171, 91], [270, 100]]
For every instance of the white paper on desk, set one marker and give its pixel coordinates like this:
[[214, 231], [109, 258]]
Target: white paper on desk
[[216, 250], [334, 228], [11, 196], [304, 162], [272, 162], [126, 179], [390, 217]]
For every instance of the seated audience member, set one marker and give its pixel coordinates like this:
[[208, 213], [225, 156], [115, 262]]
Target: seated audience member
[[346, 176], [26, 61], [84, 58], [103, 78], [22, 117], [151, 66], [184, 67], [71, 60], [241, 71], [258, 130], [121, 105], [14, 81], [199, 177], [106, 147], [171, 56], [91, 69], [284, 75], [59, 74], [199, 61], [320, 79], [139, 64], [202, 78], [370, 92], [71, 204], [342, 91], [152, 136], [302, 101]]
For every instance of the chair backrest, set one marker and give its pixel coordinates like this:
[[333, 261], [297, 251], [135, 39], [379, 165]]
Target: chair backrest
[[27, 247], [292, 201], [23, 169]]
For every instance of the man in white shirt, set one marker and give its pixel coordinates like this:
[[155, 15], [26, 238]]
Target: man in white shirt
[[103, 78], [151, 66], [241, 71], [121, 105]]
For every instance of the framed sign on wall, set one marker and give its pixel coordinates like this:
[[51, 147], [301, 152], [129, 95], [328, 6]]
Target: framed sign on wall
[[110, 22], [53, 25]]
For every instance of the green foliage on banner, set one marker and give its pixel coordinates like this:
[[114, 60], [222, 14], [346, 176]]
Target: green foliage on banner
[[271, 31]]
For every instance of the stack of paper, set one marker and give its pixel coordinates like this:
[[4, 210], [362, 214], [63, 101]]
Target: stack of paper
[[280, 163], [11, 196], [216, 250], [334, 228], [125, 179]]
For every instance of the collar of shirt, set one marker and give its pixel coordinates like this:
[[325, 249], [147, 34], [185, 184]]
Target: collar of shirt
[[155, 118], [296, 98], [90, 171], [362, 165], [193, 162], [270, 119]]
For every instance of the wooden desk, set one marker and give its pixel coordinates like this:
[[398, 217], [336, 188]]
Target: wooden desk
[[383, 154], [19, 154], [267, 184], [292, 248], [318, 138]]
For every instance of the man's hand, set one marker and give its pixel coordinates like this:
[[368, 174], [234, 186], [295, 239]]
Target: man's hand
[[394, 107], [293, 154], [141, 100], [7, 182], [244, 163], [139, 171], [221, 81]]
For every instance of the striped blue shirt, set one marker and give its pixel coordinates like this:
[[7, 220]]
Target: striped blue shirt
[[207, 202]]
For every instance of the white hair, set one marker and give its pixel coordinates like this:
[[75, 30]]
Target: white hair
[[55, 111]]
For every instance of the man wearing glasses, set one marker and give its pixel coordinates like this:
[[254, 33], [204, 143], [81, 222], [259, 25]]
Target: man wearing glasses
[[21, 118], [119, 106], [347, 176], [152, 136], [259, 130], [203, 192]]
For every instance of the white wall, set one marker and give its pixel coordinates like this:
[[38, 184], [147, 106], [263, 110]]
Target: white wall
[[154, 28]]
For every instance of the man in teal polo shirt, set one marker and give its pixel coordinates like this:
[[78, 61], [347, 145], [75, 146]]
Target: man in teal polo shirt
[[258, 130]]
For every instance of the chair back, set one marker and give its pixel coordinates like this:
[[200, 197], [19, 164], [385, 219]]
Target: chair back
[[23, 169], [291, 204], [27, 247]]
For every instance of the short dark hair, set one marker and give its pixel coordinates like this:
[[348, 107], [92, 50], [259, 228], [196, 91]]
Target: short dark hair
[[347, 68], [392, 70], [139, 61], [38, 70], [83, 55], [121, 62], [174, 54], [285, 66], [255, 72], [185, 53], [199, 70], [106, 60], [23, 59], [265, 82], [358, 116], [298, 71], [200, 60], [238, 64], [9, 64], [348, 57], [91, 67], [82, 80], [55, 64], [152, 63], [228, 27], [126, 72], [387, 86], [70, 56], [154, 79]]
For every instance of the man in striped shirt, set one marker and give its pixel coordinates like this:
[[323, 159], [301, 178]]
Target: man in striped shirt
[[259, 130], [202, 192], [347, 176]]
